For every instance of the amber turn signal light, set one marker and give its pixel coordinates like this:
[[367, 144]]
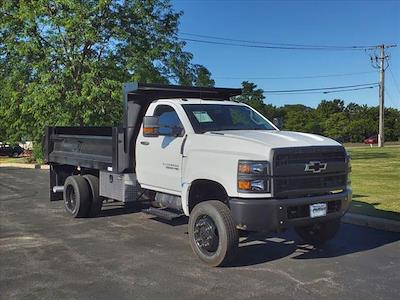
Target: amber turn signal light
[[244, 184], [149, 130]]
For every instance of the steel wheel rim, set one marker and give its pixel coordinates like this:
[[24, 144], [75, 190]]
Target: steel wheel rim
[[70, 201], [206, 235]]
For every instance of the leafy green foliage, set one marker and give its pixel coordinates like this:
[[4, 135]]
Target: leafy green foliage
[[251, 95], [203, 77], [63, 62], [300, 118], [328, 108], [37, 153]]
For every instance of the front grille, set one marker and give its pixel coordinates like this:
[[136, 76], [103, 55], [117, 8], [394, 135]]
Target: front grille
[[291, 178], [308, 185], [302, 157]]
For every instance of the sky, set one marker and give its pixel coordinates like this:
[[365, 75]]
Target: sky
[[335, 23]]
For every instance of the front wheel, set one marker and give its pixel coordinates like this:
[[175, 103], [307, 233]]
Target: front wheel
[[319, 233], [213, 234]]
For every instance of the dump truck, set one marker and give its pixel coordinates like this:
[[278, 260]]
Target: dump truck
[[195, 152]]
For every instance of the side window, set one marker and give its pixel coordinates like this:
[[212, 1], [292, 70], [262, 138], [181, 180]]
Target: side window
[[170, 124]]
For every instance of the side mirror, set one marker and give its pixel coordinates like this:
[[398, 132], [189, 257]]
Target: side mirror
[[278, 122], [170, 131], [151, 124]]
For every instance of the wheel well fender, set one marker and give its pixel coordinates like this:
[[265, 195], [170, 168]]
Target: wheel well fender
[[202, 190]]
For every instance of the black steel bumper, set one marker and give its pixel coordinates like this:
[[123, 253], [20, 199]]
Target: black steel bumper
[[277, 214]]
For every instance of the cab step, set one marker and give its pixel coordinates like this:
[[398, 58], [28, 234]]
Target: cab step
[[163, 213]]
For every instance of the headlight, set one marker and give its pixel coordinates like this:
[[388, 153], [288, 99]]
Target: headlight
[[253, 177], [252, 167]]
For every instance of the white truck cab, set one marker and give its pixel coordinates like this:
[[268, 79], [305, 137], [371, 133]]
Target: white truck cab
[[217, 161]]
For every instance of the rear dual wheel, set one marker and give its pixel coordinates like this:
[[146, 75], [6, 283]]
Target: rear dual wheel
[[76, 196], [81, 196], [96, 201]]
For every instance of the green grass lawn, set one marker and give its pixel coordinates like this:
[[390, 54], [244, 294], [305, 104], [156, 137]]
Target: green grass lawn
[[21, 160], [376, 181], [390, 144]]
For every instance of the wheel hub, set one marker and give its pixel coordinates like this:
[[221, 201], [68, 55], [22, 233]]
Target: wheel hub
[[71, 199], [206, 235]]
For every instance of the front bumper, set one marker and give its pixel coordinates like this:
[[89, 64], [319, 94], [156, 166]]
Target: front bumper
[[277, 214]]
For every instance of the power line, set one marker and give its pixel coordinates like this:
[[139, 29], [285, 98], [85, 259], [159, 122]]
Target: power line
[[394, 80], [389, 96], [348, 90], [307, 46], [324, 92], [297, 77], [270, 47], [322, 88]]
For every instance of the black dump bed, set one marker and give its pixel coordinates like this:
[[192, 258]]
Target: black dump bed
[[89, 147], [112, 148]]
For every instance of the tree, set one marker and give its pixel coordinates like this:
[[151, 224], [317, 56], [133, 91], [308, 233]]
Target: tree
[[392, 124], [252, 96], [300, 118], [353, 110], [271, 111], [250, 93], [359, 129], [336, 127], [327, 108], [203, 77], [63, 62]]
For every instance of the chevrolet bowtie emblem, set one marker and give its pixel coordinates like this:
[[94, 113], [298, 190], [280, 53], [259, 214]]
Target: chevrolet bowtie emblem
[[315, 166]]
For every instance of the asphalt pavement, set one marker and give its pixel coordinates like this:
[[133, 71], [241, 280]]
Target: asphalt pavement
[[125, 254]]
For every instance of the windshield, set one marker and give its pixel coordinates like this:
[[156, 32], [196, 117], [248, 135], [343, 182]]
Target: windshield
[[215, 117]]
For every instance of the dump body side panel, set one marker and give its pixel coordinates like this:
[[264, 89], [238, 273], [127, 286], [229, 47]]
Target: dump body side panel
[[88, 147]]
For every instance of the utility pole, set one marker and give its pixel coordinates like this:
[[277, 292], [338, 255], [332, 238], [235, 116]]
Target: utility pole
[[381, 135], [381, 63]]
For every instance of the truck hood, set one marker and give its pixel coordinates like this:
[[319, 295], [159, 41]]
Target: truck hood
[[279, 139]]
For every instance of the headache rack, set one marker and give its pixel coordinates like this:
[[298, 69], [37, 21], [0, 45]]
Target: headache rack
[[113, 148]]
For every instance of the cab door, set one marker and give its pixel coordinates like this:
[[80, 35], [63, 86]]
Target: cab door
[[159, 159]]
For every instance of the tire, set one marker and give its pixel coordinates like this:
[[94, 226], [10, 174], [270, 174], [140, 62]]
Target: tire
[[96, 201], [14, 154], [76, 196], [213, 234], [319, 233]]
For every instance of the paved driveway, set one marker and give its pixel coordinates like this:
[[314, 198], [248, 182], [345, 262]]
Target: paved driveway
[[44, 254]]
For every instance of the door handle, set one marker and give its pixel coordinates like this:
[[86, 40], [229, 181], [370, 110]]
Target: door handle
[[145, 143]]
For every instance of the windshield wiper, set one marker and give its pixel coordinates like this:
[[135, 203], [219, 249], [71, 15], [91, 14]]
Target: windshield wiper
[[262, 129]]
